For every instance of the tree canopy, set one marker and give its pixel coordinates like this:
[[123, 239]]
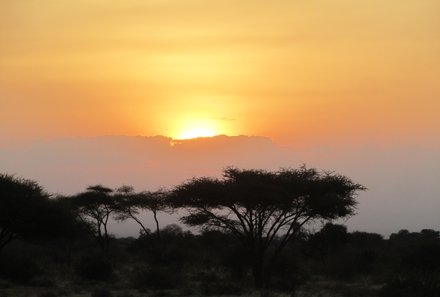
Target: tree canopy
[[265, 209], [129, 204], [27, 211], [94, 207]]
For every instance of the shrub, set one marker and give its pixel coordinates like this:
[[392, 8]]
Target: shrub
[[48, 294], [94, 267], [156, 278], [4, 284], [207, 277], [187, 292], [125, 294], [223, 288], [101, 292], [41, 281], [18, 269], [412, 287], [63, 292]]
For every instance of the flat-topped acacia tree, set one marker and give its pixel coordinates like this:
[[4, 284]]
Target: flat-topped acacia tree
[[263, 209]]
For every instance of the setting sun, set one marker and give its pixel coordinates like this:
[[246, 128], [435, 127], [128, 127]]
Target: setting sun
[[197, 132], [195, 128]]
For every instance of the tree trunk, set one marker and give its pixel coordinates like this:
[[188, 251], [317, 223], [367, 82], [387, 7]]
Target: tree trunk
[[146, 231], [5, 238], [258, 270], [157, 224]]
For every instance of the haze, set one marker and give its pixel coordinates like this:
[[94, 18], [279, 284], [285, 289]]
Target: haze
[[402, 183]]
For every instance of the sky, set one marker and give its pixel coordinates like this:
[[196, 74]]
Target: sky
[[303, 73], [403, 188], [351, 86]]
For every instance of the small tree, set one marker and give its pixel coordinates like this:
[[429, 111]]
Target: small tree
[[265, 210], [95, 207], [156, 203], [328, 240], [129, 205]]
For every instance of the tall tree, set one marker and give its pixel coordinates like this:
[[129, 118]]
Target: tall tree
[[263, 209]]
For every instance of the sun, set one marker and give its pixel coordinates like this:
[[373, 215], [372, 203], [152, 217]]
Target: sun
[[195, 128], [197, 132]]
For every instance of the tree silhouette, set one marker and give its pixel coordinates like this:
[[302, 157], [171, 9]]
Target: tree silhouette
[[27, 211], [330, 239], [129, 204], [265, 210], [18, 199], [95, 207]]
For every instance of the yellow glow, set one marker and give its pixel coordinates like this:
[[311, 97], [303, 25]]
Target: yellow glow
[[300, 72], [194, 128], [197, 132]]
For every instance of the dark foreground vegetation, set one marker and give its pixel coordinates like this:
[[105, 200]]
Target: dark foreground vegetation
[[250, 240]]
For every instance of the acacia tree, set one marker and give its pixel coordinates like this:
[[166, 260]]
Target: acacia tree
[[263, 209], [18, 199], [129, 205], [95, 207], [26, 211]]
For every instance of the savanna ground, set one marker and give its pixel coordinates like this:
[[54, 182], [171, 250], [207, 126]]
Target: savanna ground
[[319, 288], [328, 263]]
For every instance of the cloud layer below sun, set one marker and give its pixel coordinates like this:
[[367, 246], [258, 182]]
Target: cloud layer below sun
[[300, 72]]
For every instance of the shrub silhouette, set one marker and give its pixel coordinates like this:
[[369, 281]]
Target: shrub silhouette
[[221, 288], [48, 294], [415, 286], [101, 292], [41, 281], [18, 268], [156, 278], [94, 266]]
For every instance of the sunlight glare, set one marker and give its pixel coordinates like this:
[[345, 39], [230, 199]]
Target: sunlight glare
[[197, 132], [197, 128]]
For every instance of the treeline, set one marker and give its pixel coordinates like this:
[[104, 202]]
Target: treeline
[[250, 233]]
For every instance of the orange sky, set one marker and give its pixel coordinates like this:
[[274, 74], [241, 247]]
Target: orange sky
[[300, 72]]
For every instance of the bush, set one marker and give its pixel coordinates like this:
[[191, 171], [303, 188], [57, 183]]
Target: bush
[[48, 294], [207, 277], [125, 294], [4, 284], [18, 269], [94, 267], [412, 287], [187, 292], [156, 278], [63, 292], [101, 292], [41, 281], [223, 288]]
